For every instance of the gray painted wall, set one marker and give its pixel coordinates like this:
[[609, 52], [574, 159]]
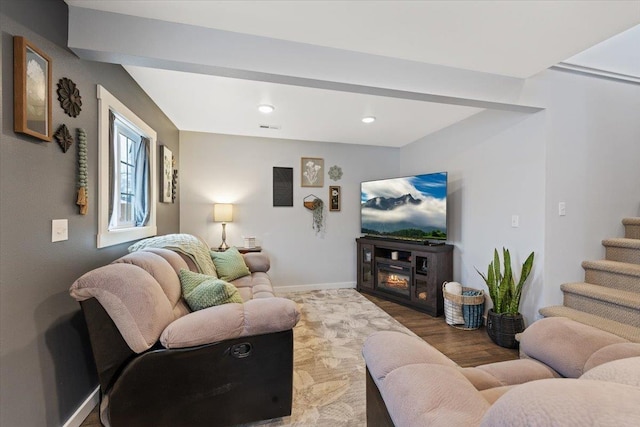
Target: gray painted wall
[[235, 169], [46, 367]]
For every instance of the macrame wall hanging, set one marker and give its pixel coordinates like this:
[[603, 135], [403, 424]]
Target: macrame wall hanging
[[83, 196]]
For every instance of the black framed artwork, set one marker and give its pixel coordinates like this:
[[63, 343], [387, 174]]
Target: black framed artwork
[[282, 186]]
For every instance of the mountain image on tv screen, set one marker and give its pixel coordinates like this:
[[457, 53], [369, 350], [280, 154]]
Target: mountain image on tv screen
[[412, 207]]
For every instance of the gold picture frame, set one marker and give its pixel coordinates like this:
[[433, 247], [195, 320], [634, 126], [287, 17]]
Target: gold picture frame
[[31, 90], [311, 172]]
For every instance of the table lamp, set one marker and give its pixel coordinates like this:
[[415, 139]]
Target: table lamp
[[223, 212]]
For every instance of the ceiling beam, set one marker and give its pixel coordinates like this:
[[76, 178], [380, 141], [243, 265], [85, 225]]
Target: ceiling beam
[[128, 40]]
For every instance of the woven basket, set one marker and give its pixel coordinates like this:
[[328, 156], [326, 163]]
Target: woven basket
[[502, 328], [471, 306]]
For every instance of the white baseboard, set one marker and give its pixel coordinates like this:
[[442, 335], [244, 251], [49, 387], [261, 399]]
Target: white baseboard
[[84, 410], [315, 287]]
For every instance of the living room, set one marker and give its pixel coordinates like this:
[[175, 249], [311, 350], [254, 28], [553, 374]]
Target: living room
[[562, 137]]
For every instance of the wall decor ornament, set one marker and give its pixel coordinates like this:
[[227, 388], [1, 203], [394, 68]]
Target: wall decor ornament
[[64, 138], [166, 179], [316, 205], [312, 174], [174, 186], [334, 198], [69, 97], [335, 172], [31, 90], [83, 194]]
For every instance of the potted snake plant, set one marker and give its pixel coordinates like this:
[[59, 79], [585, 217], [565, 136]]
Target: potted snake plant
[[504, 320]]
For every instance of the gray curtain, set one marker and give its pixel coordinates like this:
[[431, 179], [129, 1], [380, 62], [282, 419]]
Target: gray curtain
[[112, 166], [141, 212]]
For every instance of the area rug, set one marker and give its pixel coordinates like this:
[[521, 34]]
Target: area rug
[[329, 371]]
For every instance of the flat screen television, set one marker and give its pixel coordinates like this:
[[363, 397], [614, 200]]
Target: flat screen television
[[411, 208]]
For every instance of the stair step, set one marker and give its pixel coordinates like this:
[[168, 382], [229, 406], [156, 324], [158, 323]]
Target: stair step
[[622, 250], [628, 332], [614, 304], [631, 228], [613, 274]]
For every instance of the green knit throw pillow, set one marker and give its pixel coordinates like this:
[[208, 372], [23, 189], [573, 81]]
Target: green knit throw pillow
[[202, 291], [230, 264]]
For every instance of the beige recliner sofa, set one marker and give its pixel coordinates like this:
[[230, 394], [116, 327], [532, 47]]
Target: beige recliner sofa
[[569, 374], [159, 364]]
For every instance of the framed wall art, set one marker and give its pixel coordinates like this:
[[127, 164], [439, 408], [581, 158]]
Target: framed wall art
[[312, 173], [334, 198], [31, 90], [166, 179], [282, 186]]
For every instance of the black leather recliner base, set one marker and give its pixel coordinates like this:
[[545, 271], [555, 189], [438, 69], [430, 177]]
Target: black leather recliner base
[[226, 383]]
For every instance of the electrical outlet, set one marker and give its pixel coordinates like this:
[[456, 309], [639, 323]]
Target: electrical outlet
[[59, 230], [515, 221]]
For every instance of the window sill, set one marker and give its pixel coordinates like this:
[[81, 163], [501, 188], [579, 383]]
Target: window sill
[[115, 237]]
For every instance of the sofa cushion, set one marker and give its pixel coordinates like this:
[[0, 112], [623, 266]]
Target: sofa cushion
[[563, 344], [133, 299], [385, 351], [612, 352], [257, 262], [495, 393], [566, 402], [257, 285], [622, 371], [431, 395], [202, 291], [159, 268], [185, 244], [219, 323], [518, 371], [230, 264]]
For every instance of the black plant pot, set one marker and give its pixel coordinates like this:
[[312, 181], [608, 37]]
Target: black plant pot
[[502, 328]]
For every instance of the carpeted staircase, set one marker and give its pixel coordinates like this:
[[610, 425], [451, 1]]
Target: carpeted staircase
[[609, 297]]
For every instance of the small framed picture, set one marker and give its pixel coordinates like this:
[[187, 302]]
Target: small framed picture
[[312, 172], [31, 90], [334, 198]]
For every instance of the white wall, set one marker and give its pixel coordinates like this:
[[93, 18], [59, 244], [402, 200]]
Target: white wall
[[235, 169], [495, 162], [593, 165], [584, 149]]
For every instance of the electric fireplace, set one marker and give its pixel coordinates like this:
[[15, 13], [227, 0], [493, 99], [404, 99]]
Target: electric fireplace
[[393, 278]]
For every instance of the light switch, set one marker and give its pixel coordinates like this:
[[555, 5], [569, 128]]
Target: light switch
[[562, 209], [59, 230], [515, 221]]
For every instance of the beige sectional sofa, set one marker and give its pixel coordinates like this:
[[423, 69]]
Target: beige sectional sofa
[[569, 374], [159, 364]]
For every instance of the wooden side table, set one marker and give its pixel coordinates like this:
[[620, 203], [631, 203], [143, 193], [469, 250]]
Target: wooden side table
[[243, 250]]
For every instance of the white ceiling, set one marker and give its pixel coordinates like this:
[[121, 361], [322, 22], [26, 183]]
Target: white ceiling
[[516, 39]]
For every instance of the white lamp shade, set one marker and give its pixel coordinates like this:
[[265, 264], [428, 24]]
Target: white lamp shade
[[223, 212]]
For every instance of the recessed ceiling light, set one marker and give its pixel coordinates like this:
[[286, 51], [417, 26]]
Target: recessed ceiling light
[[368, 119], [266, 108]]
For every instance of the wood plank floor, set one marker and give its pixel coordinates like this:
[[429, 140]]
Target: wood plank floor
[[466, 348]]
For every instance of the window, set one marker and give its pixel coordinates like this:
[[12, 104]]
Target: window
[[127, 192]]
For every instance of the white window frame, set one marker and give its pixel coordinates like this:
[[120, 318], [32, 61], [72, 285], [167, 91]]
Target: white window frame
[[126, 129], [106, 237]]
